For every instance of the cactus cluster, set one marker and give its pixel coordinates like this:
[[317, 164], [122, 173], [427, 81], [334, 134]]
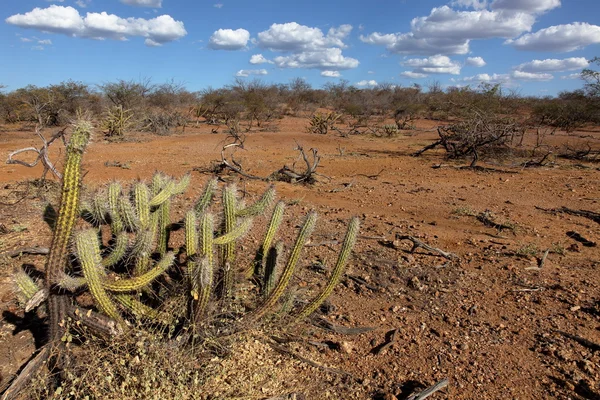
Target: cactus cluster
[[126, 259], [321, 124]]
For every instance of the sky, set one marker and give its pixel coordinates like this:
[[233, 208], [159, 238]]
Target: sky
[[532, 47]]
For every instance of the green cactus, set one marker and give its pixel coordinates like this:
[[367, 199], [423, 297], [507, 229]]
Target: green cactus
[[88, 252], [338, 270], [289, 269], [67, 214], [229, 210], [25, 286], [260, 206], [206, 197]]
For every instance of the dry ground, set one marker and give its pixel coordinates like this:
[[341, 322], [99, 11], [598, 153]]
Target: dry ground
[[490, 322]]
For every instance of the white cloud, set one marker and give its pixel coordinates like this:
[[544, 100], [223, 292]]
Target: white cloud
[[571, 76], [331, 74], [55, 1], [437, 64], [449, 31], [553, 65], [67, 21], [46, 42], [487, 78], [530, 6], [259, 59], [218, 5], [475, 61], [307, 47], [39, 48], [560, 38], [229, 39], [247, 72], [413, 75], [531, 76], [143, 3], [364, 83], [329, 58], [26, 40], [294, 37], [83, 3], [370, 72], [476, 4]]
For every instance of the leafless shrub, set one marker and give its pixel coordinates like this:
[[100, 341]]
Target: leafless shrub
[[161, 122]]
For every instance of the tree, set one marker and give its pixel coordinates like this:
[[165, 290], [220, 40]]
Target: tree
[[592, 79]]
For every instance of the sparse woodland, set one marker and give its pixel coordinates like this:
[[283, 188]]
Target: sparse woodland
[[143, 284]]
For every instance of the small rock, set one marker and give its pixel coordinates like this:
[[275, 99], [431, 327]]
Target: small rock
[[575, 308]]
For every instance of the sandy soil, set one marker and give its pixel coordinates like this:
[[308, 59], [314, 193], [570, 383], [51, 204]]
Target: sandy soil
[[491, 322]]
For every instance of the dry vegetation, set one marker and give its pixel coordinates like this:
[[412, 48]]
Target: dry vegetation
[[476, 278]]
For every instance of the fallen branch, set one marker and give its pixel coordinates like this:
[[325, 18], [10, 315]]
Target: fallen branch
[[429, 391], [27, 250], [390, 338], [594, 216], [26, 374], [417, 243]]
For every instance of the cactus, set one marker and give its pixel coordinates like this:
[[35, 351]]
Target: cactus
[[25, 286], [289, 269], [271, 268], [207, 196], [337, 272], [229, 210], [67, 215]]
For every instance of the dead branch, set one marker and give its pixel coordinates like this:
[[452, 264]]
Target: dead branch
[[594, 216], [27, 250], [417, 243], [26, 374], [390, 338], [42, 153], [485, 218], [292, 175], [429, 391]]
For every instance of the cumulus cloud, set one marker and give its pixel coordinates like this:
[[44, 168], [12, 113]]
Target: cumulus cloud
[[531, 76], [247, 72], [487, 78], [437, 64], [449, 31], [259, 59], [553, 65], [307, 47], [365, 83], [331, 74], [413, 75], [530, 6], [326, 59], [561, 38], [68, 21], [143, 3], [229, 39], [476, 4], [571, 76], [475, 61], [294, 37]]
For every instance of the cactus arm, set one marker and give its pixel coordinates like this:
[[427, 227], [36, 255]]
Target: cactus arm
[[202, 275], [88, 252], [139, 282], [164, 195], [182, 185], [206, 197], [118, 251], [289, 269], [164, 219], [234, 234], [338, 270], [259, 207], [229, 205], [25, 286]]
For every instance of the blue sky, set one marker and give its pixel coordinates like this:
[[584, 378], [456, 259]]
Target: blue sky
[[536, 47]]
